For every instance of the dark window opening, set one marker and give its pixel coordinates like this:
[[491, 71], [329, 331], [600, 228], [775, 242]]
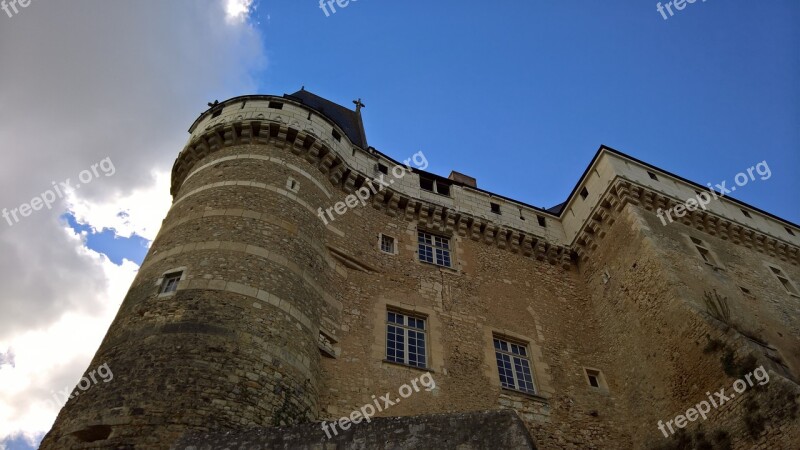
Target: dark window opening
[[383, 169], [435, 186], [495, 208], [593, 381], [747, 214], [336, 135], [426, 183], [275, 105], [216, 113], [584, 193], [789, 230], [652, 175], [93, 433], [541, 220]]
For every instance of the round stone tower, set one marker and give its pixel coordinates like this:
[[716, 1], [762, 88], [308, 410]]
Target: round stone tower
[[221, 327]]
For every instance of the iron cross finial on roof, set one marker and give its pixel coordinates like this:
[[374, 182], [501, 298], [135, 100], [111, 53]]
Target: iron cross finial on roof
[[359, 105]]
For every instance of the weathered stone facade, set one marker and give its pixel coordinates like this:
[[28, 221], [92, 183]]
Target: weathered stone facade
[[596, 286]]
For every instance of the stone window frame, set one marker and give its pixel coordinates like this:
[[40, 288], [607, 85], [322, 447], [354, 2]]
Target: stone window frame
[[541, 379], [602, 385], [433, 334], [450, 243], [782, 275], [703, 246], [395, 244], [525, 356], [160, 282], [292, 185], [406, 338], [327, 344]]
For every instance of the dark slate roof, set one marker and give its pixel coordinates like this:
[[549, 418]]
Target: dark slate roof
[[557, 209], [348, 120]]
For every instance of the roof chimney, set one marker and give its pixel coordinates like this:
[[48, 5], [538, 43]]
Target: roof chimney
[[463, 179]]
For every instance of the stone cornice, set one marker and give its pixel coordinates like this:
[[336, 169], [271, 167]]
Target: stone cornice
[[622, 192], [426, 214]]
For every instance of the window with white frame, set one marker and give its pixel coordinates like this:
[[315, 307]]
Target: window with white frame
[[405, 339], [387, 244], [434, 249], [514, 366], [170, 283], [787, 284]]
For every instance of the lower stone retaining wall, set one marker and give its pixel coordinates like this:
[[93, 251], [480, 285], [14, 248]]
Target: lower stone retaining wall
[[464, 431]]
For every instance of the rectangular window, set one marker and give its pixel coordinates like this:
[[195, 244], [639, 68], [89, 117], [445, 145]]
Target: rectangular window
[[383, 169], [542, 221], [434, 249], [426, 184], [513, 366], [170, 283], [336, 135], [387, 244], [495, 208], [784, 280], [595, 379], [405, 339], [275, 105], [437, 186]]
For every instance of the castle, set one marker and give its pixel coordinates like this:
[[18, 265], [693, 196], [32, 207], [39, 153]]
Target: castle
[[303, 282]]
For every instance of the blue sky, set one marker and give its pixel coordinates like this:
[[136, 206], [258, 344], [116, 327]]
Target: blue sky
[[520, 95]]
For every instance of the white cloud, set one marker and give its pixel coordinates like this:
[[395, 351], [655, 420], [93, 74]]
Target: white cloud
[[51, 359], [140, 211], [237, 10], [82, 82]]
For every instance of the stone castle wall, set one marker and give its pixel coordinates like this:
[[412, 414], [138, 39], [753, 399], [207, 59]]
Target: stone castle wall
[[238, 345]]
